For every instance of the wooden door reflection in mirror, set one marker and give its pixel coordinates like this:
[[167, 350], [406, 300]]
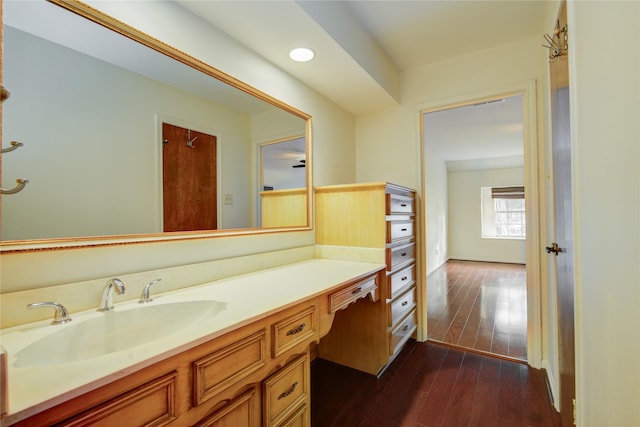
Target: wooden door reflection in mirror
[[189, 190]]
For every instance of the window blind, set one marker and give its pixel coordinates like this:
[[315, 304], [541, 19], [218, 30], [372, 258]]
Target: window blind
[[507, 192]]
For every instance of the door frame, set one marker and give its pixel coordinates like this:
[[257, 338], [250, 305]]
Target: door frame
[[159, 120], [259, 169], [536, 223]]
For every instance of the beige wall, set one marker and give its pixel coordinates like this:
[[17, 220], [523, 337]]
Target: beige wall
[[605, 120], [465, 219], [389, 143], [123, 178]]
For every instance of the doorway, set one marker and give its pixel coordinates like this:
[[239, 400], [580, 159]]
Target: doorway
[[282, 166], [189, 179], [471, 165]]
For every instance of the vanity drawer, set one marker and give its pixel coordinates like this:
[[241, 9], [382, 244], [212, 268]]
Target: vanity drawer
[[285, 391], [300, 418], [342, 298], [401, 306], [402, 332], [399, 230], [400, 280], [399, 255], [228, 366], [153, 403], [397, 204], [299, 328], [244, 410]]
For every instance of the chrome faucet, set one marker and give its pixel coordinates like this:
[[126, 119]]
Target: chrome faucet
[[145, 292], [106, 303], [61, 316]]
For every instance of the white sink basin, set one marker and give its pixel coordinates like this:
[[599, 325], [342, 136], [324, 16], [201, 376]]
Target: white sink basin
[[113, 331]]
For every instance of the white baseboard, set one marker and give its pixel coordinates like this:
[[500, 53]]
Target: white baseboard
[[554, 387]]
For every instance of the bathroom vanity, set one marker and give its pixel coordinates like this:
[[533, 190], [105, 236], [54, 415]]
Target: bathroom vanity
[[247, 364]]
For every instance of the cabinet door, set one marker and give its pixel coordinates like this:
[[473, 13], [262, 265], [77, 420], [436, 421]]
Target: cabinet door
[[241, 411]]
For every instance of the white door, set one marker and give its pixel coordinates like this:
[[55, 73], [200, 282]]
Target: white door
[[562, 248]]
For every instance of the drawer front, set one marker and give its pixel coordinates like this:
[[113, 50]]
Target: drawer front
[[399, 230], [244, 410], [153, 403], [299, 328], [400, 280], [397, 204], [401, 306], [342, 298], [227, 366], [300, 418], [285, 391], [402, 333], [399, 255]]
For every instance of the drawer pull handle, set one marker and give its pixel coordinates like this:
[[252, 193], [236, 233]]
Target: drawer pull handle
[[356, 291], [405, 303], [404, 205], [403, 254], [405, 328], [403, 229], [296, 330], [288, 392], [404, 278]]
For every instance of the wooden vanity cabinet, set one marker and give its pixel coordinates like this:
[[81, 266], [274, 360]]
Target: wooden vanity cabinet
[[217, 383], [380, 216], [255, 375]]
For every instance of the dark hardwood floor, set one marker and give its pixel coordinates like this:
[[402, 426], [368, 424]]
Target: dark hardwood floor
[[480, 306], [432, 385]]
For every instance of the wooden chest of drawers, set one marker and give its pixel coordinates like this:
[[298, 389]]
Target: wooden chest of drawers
[[381, 216]]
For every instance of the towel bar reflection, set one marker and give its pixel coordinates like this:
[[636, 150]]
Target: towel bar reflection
[[14, 146], [16, 189]]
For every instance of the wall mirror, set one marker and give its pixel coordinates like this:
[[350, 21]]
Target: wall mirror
[[89, 101]]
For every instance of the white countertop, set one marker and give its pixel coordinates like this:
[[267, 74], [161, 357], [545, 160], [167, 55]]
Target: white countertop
[[247, 298]]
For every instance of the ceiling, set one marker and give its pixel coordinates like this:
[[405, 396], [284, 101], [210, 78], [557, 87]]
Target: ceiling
[[363, 46], [488, 135]]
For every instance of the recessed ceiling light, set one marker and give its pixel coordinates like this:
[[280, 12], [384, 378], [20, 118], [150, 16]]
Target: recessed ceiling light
[[301, 54]]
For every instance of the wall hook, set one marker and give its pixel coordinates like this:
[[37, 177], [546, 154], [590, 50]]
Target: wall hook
[[189, 140], [14, 145], [17, 188], [4, 94], [558, 44]]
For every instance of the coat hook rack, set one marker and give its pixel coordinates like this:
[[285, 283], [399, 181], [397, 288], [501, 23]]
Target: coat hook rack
[[14, 146], [558, 44], [18, 188]]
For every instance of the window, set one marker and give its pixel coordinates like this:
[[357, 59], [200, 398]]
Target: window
[[503, 212]]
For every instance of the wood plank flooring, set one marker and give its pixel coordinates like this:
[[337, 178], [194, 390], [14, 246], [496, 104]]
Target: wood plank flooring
[[480, 306], [431, 385]]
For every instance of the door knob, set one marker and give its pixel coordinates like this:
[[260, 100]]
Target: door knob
[[553, 248]]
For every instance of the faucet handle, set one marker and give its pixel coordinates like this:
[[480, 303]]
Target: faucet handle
[[144, 297], [62, 314]]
